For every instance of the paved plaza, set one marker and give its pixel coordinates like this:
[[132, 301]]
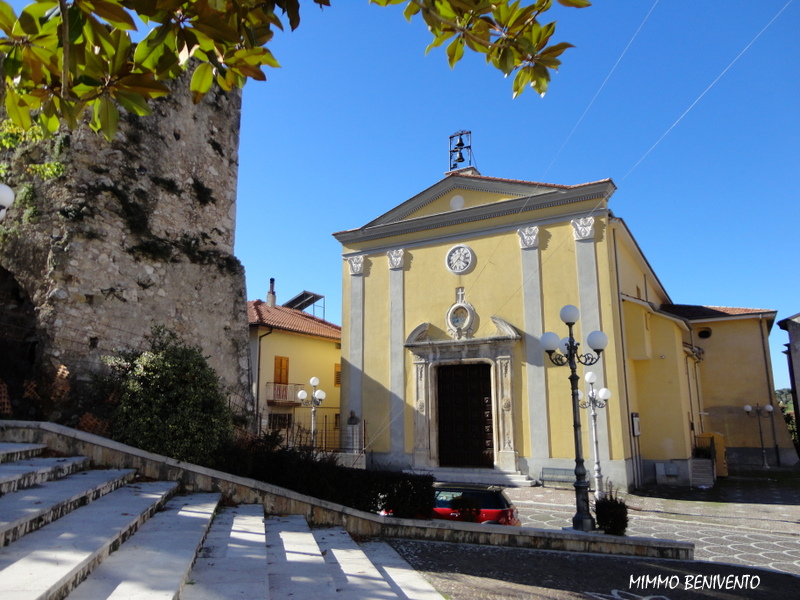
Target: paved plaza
[[746, 532]]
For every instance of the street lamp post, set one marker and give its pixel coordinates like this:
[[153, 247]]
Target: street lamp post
[[595, 400], [597, 341], [316, 398], [758, 412]]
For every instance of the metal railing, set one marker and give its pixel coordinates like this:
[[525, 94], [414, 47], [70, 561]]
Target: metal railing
[[329, 435], [283, 393]]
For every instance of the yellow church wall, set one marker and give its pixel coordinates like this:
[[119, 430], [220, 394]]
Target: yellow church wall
[[662, 386], [608, 290], [471, 198], [375, 387], [738, 345], [560, 279]]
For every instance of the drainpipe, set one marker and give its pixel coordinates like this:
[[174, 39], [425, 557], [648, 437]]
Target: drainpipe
[[770, 387], [634, 443]]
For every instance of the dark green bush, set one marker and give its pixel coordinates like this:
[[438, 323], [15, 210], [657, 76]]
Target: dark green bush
[[316, 474], [170, 401], [611, 512]]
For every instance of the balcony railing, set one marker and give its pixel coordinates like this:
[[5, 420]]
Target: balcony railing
[[282, 394]]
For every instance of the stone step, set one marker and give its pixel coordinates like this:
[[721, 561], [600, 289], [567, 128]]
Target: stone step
[[306, 564], [154, 564], [11, 451], [27, 510], [295, 566], [371, 569], [32, 471], [233, 561], [406, 582], [481, 476], [47, 564]]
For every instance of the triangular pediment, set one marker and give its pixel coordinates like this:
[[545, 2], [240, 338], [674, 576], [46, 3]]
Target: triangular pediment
[[461, 191], [468, 196]]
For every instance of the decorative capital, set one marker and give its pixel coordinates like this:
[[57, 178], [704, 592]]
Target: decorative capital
[[528, 237], [395, 258], [356, 265], [584, 228]]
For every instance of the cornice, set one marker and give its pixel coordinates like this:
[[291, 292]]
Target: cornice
[[524, 204], [462, 237]]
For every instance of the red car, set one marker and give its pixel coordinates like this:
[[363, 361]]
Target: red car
[[474, 503]]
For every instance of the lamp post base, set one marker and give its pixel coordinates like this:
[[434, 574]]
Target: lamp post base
[[583, 523]]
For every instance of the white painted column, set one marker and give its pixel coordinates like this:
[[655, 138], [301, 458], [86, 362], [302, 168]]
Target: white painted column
[[534, 355], [353, 371], [589, 298], [397, 374]]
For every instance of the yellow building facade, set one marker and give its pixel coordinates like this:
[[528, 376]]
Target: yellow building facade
[[289, 347], [445, 299]]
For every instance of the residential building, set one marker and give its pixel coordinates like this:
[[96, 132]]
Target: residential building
[[446, 296], [289, 346]]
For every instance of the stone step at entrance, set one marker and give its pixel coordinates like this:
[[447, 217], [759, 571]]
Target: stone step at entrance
[[98, 535], [482, 476]]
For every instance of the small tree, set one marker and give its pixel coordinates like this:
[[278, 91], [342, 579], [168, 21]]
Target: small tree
[[170, 401]]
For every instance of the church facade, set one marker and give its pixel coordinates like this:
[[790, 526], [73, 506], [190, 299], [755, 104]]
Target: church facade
[[445, 298]]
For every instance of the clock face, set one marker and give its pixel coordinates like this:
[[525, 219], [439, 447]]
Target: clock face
[[459, 259]]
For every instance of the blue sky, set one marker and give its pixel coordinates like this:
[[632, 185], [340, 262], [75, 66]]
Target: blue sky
[[692, 108], [357, 120]]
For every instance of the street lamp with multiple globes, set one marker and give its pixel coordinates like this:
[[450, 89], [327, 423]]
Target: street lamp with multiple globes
[[316, 398], [758, 412], [597, 341], [596, 399]]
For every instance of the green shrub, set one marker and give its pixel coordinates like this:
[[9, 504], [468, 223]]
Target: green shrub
[[170, 401], [307, 471], [611, 512]]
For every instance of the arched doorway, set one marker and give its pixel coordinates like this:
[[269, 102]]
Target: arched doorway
[[466, 432]]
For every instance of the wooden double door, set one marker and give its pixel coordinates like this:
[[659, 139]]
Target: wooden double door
[[466, 431]]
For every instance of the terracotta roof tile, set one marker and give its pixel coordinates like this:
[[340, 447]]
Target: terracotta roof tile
[[290, 319], [690, 311]]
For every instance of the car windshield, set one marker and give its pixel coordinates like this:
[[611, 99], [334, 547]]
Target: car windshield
[[484, 499]]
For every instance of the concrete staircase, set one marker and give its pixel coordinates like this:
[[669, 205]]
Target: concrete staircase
[[702, 473], [70, 532]]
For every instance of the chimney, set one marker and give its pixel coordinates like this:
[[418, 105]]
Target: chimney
[[271, 294]]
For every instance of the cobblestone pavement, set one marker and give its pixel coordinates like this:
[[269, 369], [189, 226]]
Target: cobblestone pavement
[[746, 533]]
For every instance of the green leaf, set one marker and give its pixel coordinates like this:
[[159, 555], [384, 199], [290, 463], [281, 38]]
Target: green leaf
[[113, 13], [7, 18], [17, 109], [575, 3], [455, 50], [76, 21], [133, 103], [106, 117], [144, 84], [202, 79]]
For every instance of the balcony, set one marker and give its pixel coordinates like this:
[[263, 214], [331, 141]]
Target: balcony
[[282, 394]]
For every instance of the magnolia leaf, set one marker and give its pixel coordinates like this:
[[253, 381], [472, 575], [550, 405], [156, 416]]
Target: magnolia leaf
[[17, 109], [455, 50], [7, 18], [249, 71], [113, 13], [133, 102], [105, 117], [122, 48], [202, 80], [575, 3], [144, 84], [76, 20]]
